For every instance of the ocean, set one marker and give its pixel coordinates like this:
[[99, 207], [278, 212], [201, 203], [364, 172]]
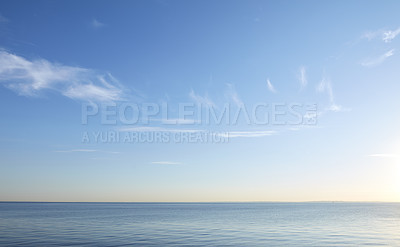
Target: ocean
[[199, 224]]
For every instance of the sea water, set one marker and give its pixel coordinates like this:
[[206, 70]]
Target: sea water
[[199, 224]]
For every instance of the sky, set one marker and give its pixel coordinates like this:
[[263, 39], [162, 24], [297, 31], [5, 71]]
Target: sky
[[113, 101]]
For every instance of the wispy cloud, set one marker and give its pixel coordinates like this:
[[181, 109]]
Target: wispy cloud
[[378, 60], [201, 100], [326, 86], [86, 151], [389, 35], [270, 86], [77, 150], [33, 77], [369, 35], [337, 108], [302, 76], [176, 121], [234, 134], [383, 155], [232, 95], [166, 163], [158, 129], [384, 35], [96, 24], [229, 134]]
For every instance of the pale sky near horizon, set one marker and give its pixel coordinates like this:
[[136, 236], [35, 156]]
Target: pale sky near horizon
[[57, 58]]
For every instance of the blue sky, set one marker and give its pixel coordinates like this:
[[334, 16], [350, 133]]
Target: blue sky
[[58, 57]]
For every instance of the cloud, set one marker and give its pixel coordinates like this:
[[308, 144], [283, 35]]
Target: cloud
[[378, 60], [201, 100], [232, 95], [176, 121], [158, 129], [385, 35], [383, 155], [224, 134], [77, 150], [270, 86], [389, 35], [302, 76], [33, 77], [96, 24], [234, 134], [326, 86], [371, 34], [337, 108], [166, 163], [86, 151]]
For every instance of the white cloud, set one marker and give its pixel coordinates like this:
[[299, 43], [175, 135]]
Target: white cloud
[[230, 134], [232, 95], [86, 151], [389, 35], [166, 163], [378, 60], [77, 150], [371, 34], [337, 108], [33, 77], [201, 100], [326, 86], [234, 134], [383, 155], [158, 129], [385, 35], [176, 121], [270, 86], [302, 76], [96, 24]]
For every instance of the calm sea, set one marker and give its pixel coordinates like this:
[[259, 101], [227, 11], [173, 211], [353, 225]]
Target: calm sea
[[199, 224]]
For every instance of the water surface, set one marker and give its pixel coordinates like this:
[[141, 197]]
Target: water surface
[[199, 224]]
